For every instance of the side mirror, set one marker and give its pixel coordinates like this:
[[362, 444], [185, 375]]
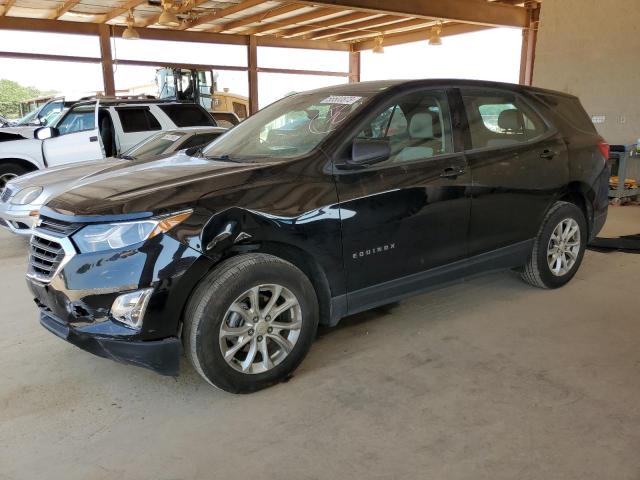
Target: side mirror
[[369, 151], [45, 132]]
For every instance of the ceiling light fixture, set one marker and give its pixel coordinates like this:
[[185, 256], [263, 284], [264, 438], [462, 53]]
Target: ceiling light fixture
[[168, 17], [130, 33], [378, 48], [434, 37]]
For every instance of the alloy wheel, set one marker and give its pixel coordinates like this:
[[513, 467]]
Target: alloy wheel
[[260, 328], [564, 247]]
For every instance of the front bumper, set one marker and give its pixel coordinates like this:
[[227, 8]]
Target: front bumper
[[161, 356], [17, 220], [75, 304]]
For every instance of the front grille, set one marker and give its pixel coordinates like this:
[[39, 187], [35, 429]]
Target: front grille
[[58, 227], [45, 257], [6, 195]]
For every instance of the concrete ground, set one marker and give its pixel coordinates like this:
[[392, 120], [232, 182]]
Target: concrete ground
[[490, 379]]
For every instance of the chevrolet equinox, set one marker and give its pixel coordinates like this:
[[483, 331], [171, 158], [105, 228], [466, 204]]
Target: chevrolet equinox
[[324, 204]]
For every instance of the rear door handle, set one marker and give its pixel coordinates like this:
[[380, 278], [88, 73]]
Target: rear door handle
[[547, 154], [93, 139], [452, 172]]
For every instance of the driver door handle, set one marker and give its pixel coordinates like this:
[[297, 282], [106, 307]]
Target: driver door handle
[[93, 139], [452, 172]]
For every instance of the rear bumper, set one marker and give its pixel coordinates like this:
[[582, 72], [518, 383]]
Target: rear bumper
[[161, 356]]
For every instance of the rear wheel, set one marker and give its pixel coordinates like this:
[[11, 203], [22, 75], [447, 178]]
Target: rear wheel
[[250, 322], [9, 171], [559, 247]]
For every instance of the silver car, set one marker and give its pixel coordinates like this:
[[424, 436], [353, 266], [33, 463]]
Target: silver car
[[22, 198]]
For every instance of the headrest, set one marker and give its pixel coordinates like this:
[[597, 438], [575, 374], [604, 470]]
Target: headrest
[[510, 120], [421, 125]]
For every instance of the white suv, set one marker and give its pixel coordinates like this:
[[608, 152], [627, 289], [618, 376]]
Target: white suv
[[93, 130]]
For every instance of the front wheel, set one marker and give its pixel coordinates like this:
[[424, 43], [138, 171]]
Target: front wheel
[[559, 247], [250, 322], [9, 171]]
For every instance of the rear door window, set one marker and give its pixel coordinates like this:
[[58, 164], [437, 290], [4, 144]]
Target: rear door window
[[500, 119], [188, 115], [137, 119]]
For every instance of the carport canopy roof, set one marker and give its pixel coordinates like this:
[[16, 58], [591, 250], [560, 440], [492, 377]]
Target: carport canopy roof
[[349, 25]]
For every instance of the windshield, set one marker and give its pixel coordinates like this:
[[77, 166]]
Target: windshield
[[26, 119], [155, 145], [289, 128]]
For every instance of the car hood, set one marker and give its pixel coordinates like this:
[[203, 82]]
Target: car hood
[[151, 186], [63, 175]]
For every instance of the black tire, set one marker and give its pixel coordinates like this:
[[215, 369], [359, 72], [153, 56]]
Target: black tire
[[208, 306], [537, 271], [10, 168]]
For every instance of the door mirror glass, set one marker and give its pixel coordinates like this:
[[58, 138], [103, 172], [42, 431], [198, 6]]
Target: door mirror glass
[[369, 151], [45, 132]]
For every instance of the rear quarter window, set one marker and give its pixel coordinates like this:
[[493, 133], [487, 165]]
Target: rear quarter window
[[188, 115], [570, 111]]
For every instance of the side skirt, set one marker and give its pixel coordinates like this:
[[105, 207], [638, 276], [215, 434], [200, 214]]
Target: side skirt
[[388, 292]]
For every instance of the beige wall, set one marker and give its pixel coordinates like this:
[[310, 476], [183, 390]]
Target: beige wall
[[591, 48]]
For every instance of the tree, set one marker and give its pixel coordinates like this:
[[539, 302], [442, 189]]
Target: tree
[[12, 93]]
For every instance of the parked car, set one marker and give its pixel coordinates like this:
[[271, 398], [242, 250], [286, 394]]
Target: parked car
[[22, 198], [393, 188], [46, 114], [93, 130]]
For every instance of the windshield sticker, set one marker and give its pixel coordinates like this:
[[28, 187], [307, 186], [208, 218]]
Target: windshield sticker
[[171, 138], [342, 99]]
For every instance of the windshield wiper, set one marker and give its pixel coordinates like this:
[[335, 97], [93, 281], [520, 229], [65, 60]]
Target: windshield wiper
[[222, 158], [127, 157]]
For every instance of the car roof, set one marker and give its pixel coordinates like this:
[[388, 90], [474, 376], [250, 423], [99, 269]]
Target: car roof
[[111, 102], [377, 86]]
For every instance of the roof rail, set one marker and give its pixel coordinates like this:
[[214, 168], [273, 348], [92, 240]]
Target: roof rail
[[118, 97]]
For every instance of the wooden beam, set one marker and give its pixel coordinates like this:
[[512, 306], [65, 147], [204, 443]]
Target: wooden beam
[[478, 12], [107, 60], [419, 34], [354, 67], [209, 17], [252, 63], [4, 9], [86, 28], [64, 8], [48, 57], [364, 25], [297, 71], [52, 26], [403, 25], [256, 18], [271, 41], [121, 10], [297, 20], [332, 22], [529, 40]]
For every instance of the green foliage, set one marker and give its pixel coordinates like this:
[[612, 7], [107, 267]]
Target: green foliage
[[12, 93]]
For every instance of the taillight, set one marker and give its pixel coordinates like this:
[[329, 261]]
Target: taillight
[[604, 149]]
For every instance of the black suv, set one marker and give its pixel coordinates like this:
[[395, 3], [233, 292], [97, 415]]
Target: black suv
[[324, 204]]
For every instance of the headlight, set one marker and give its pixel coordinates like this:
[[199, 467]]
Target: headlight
[[110, 236], [26, 195]]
